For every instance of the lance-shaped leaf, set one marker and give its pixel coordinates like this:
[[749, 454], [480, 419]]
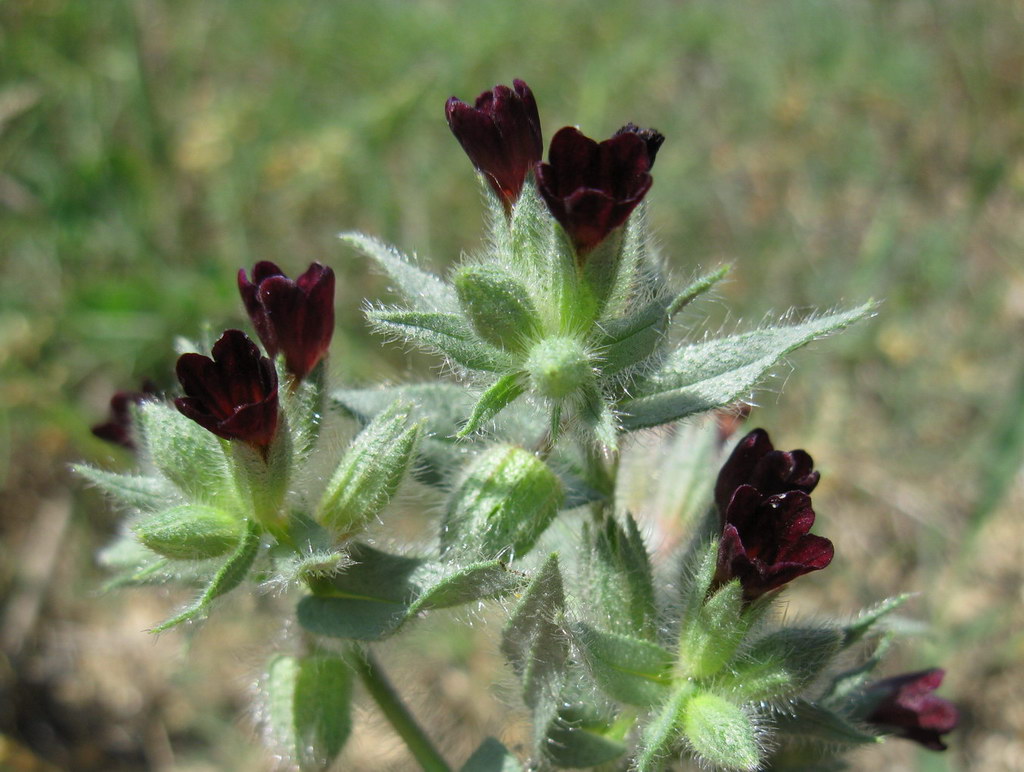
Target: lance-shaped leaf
[[661, 733], [186, 454], [227, 578], [810, 721], [379, 592], [504, 392], [369, 473], [498, 306], [446, 334], [133, 491], [619, 574], [784, 662], [625, 668], [631, 339], [870, 621], [537, 648], [506, 501], [703, 376], [576, 738], [190, 532], [310, 700], [492, 756], [424, 290]]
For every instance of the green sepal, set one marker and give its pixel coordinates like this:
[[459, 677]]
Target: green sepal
[[661, 733], [619, 573], [228, 577], [304, 406], [785, 662], [575, 740], [720, 732], [704, 376], [498, 306], [536, 647], [424, 290], [869, 620], [599, 420], [625, 668], [186, 454], [132, 563], [698, 573], [632, 272], [379, 592], [132, 491], [504, 392], [810, 721], [506, 501], [263, 478], [447, 334], [630, 340], [189, 532], [491, 756], [309, 708], [369, 473]]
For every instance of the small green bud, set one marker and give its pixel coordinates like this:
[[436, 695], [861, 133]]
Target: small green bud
[[190, 532], [498, 305], [369, 473], [558, 366], [720, 732], [506, 502]]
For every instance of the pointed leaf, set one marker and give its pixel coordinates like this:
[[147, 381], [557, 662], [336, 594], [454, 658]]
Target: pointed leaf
[[703, 376], [190, 532], [868, 620], [505, 390], [498, 306], [809, 721], [797, 655], [571, 747], [137, 492], [227, 578], [627, 669], [445, 334], [619, 575], [490, 579], [424, 290], [721, 733], [661, 734]]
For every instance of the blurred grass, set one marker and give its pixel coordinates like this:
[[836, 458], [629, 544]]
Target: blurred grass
[[830, 151]]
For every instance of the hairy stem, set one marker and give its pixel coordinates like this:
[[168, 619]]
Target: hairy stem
[[390, 704]]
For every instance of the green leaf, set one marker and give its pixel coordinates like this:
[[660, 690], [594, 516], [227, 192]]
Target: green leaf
[[572, 747], [134, 491], [703, 376], [598, 419], [720, 732], [310, 700], [190, 532], [187, 454], [492, 756], [627, 669], [489, 579], [505, 390], [619, 573], [447, 334], [536, 647], [227, 578], [661, 733], [506, 501], [631, 274], [424, 290], [498, 306], [629, 340], [868, 620], [369, 473], [709, 640], [796, 656], [808, 721]]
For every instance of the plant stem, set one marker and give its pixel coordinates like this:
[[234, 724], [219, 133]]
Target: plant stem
[[390, 704]]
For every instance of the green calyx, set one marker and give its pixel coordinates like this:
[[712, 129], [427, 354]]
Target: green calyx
[[558, 366], [190, 532], [498, 306]]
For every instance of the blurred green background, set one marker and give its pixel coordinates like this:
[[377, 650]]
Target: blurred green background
[[831, 151]]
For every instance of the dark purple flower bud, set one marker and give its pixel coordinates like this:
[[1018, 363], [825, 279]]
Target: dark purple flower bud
[[118, 429], [501, 135], [755, 462], [591, 188], [905, 706], [765, 542], [295, 318], [234, 394], [654, 138]]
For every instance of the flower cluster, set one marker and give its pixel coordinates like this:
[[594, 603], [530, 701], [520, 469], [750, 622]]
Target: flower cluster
[[766, 515], [590, 188]]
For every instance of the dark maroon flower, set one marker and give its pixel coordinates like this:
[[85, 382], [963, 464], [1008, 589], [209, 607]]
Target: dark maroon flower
[[765, 542], [501, 135], [654, 138], [591, 188], [233, 395], [118, 429], [295, 318], [905, 706], [755, 462]]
